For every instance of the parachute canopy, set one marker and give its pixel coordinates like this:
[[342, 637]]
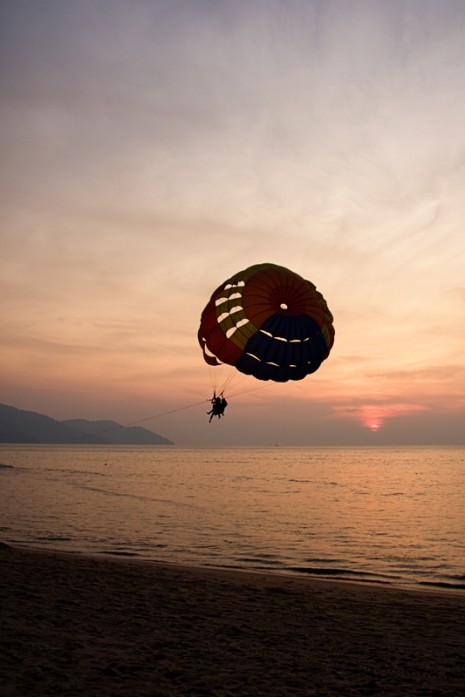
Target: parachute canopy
[[268, 322]]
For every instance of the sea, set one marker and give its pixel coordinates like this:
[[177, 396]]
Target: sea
[[383, 515]]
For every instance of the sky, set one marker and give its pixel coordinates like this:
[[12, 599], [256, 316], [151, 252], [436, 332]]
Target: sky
[[152, 148]]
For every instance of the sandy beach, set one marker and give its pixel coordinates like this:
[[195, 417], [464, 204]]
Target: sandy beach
[[77, 625]]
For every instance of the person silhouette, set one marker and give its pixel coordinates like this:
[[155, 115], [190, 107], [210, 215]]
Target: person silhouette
[[219, 404]]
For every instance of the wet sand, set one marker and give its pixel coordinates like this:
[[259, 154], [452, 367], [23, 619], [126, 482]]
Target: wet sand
[[92, 626]]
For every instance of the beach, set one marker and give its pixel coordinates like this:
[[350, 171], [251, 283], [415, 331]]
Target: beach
[[101, 626]]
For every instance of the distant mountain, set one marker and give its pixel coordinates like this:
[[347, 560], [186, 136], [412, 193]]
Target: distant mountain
[[19, 426], [114, 433]]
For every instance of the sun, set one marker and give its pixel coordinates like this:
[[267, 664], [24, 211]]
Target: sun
[[372, 418]]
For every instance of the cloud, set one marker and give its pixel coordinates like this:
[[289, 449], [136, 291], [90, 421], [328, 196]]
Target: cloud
[[151, 149]]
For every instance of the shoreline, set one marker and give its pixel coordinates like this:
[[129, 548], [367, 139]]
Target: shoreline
[[100, 625], [411, 586]]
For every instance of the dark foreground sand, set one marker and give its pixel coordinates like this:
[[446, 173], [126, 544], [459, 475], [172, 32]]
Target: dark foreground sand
[[73, 625]]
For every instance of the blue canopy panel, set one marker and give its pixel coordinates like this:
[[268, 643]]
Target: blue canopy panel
[[285, 348]]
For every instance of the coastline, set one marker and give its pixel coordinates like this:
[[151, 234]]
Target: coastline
[[91, 625]]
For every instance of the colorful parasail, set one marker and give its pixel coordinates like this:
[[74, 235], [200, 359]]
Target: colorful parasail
[[268, 322]]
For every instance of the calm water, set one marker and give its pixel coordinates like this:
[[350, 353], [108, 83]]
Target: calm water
[[388, 515]]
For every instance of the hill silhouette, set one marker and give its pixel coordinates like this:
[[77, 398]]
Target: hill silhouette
[[20, 426]]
